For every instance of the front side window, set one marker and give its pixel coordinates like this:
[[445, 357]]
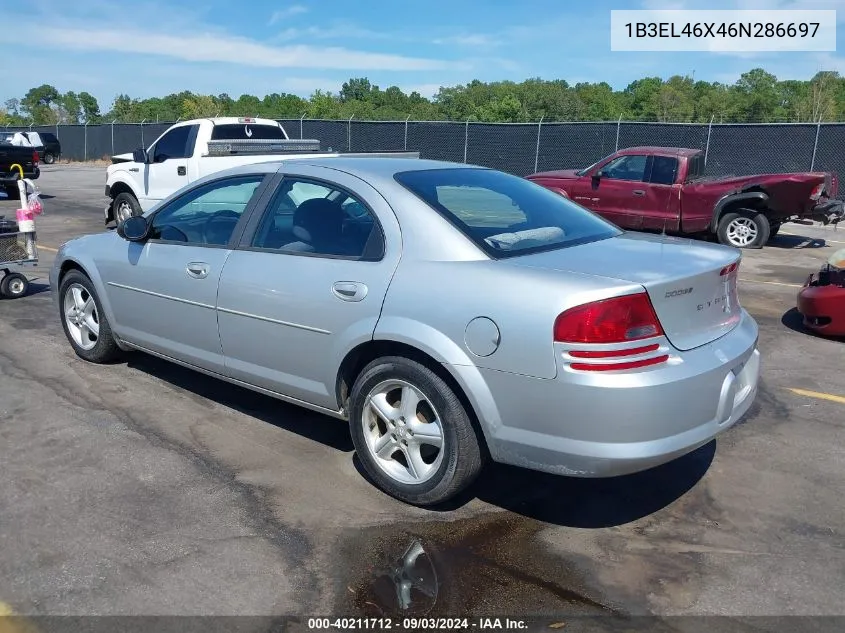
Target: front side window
[[320, 219], [503, 214], [174, 144], [206, 216], [626, 168]]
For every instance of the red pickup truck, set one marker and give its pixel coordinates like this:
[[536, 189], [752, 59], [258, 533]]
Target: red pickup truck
[[664, 188]]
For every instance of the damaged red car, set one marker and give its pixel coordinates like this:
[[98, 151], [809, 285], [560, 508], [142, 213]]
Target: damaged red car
[[665, 188], [822, 299]]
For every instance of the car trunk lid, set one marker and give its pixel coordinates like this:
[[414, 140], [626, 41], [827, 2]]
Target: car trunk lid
[[692, 285]]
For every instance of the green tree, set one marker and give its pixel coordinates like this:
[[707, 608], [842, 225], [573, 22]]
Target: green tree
[[38, 102], [90, 108]]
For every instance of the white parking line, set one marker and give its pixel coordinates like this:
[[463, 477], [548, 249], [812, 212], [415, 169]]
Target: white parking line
[[770, 283], [827, 241]]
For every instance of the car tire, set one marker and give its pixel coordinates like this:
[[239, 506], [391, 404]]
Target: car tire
[[100, 348], [744, 228], [774, 228], [125, 205], [448, 470], [49, 158], [14, 285]]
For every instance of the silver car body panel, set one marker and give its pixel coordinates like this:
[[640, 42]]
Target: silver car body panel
[[272, 322]]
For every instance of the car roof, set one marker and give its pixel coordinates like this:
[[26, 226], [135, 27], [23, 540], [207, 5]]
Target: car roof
[[375, 166], [367, 168], [660, 151]]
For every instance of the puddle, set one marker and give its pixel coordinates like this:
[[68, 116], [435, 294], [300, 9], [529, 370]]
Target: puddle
[[482, 566]]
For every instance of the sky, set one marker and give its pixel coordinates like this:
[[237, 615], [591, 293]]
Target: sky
[[148, 48]]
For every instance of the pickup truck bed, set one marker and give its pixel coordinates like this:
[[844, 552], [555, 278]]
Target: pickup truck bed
[[664, 188], [26, 157]]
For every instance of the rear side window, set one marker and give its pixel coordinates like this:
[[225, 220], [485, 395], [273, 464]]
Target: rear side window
[[696, 166], [664, 169], [503, 214], [244, 131]]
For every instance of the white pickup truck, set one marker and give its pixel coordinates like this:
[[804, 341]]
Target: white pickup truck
[[189, 150]]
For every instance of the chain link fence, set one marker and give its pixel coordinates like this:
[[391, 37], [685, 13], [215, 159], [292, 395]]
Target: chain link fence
[[522, 148]]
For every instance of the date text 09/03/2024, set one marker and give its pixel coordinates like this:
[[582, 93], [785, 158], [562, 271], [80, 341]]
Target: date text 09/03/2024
[[420, 623]]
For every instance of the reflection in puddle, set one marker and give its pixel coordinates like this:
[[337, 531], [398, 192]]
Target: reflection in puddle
[[410, 586], [469, 567]]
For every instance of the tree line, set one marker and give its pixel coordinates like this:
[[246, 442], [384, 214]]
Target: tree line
[[756, 97]]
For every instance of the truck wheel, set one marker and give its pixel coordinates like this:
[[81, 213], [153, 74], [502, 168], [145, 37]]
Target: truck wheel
[[49, 158], [744, 228], [124, 206], [412, 434]]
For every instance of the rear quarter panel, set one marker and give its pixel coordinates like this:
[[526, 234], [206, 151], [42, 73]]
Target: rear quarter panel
[[431, 304]]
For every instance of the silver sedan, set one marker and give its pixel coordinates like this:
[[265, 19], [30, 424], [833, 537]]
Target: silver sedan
[[450, 313]]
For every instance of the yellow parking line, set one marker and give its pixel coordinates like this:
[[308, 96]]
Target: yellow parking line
[[818, 394], [771, 283], [48, 248]]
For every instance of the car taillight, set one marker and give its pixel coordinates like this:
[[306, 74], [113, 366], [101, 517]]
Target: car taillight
[[817, 192], [727, 270], [617, 320], [35, 158]]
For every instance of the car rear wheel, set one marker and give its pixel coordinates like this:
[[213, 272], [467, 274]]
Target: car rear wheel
[[744, 228], [412, 434], [49, 158], [85, 325], [125, 206]]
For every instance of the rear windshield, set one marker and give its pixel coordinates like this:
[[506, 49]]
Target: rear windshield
[[243, 131], [503, 214]]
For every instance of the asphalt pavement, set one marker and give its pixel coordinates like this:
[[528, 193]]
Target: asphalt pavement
[[142, 488]]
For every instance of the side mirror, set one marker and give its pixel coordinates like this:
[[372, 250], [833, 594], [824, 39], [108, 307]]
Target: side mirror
[[139, 155], [134, 229]]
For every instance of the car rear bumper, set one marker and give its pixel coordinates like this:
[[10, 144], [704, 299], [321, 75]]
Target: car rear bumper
[[822, 307], [587, 425]]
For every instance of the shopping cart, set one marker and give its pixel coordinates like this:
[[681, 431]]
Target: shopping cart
[[18, 242]]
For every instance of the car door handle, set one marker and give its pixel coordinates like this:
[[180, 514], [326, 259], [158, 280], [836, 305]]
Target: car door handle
[[349, 290], [197, 270], [181, 170], [639, 192]]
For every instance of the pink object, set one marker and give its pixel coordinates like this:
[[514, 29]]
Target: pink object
[[24, 215]]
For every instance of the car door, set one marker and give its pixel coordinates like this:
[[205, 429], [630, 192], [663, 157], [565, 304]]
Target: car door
[[163, 291], [167, 170], [619, 189], [660, 206], [306, 284]]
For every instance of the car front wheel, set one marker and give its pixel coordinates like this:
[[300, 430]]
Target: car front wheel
[[744, 228], [412, 434], [85, 325]]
